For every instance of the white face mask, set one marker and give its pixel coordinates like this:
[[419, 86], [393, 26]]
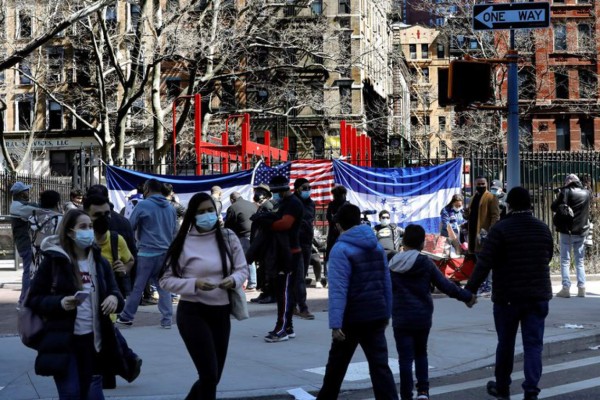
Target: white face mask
[[457, 209], [385, 221]]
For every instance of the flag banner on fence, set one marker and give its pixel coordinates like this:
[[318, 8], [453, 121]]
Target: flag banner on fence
[[412, 195], [319, 174], [122, 183]]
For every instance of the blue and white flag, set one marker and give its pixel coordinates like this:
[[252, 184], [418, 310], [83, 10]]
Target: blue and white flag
[[122, 182], [412, 195]]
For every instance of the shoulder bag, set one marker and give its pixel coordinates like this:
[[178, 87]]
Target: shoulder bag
[[237, 297]]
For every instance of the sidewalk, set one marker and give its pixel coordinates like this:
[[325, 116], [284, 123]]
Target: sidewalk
[[461, 340]]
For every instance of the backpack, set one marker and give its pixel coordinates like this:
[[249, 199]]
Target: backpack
[[114, 245], [42, 223], [564, 216]]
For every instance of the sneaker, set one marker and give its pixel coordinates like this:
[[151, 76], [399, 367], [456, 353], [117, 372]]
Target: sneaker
[[423, 396], [290, 333], [492, 390], [305, 315], [267, 300], [274, 338], [135, 370], [581, 292], [530, 396], [564, 292], [296, 312], [318, 285], [324, 282], [250, 289], [165, 326], [124, 322], [148, 302]]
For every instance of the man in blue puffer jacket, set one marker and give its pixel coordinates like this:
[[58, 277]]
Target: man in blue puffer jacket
[[360, 302]]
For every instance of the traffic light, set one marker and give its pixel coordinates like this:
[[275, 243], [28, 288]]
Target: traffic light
[[469, 82]]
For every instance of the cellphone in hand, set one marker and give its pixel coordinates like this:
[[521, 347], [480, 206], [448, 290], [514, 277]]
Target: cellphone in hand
[[80, 296]]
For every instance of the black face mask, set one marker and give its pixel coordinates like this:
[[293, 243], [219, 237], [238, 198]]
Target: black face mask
[[481, 189], [101, 225]]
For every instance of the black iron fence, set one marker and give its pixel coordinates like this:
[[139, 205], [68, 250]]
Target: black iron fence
[[38, 184]]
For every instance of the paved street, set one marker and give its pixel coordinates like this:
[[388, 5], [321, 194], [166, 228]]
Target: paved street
[[462, 345]]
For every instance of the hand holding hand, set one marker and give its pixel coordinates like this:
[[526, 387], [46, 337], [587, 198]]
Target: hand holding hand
[[472, 302], [203, 285], [338, 335], [227, 283], [69, 303], [109, 305]]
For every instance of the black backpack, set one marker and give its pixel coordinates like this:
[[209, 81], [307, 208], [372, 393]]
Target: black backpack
[[564, 216]]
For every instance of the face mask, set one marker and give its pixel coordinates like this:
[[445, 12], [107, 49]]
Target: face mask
[[480, 189], [205, 222], [305, 194], [457, 209], [385, 221], [276, 197], [84, 238], [101, 225]]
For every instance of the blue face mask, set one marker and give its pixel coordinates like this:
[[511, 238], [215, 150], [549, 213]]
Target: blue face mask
[[84, 238], [305, 194], [207, 221]]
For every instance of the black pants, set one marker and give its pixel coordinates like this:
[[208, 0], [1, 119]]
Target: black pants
[[371, 337], [285, 302], [205, 331]]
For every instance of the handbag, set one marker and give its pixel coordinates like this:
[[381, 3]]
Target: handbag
[[29, 324], [237, 296]]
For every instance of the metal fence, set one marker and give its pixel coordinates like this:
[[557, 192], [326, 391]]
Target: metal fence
[[38, 184]]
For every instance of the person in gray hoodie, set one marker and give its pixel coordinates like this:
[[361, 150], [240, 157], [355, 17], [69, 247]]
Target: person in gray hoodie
[[154, 222], [412, 308]]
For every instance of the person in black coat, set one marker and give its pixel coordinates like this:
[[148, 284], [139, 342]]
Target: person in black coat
[[412, 308], [302, 191], [75, 291], [518, 251], [237, 218], [578, 198]]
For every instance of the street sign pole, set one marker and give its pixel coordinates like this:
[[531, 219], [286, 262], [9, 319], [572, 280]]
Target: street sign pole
[[513, 163]]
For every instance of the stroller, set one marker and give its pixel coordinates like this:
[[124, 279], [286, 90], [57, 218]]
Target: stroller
[[449, 256]]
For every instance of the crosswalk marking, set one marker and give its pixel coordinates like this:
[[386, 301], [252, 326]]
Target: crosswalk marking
[[516, 375], [569, 388]]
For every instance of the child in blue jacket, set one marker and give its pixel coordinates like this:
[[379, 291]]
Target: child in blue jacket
[[412, 308]]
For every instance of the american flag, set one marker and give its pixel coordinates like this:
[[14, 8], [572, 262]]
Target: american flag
[[319, 174]]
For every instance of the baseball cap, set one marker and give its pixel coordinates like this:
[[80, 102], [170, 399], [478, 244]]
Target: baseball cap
[[19, 187]]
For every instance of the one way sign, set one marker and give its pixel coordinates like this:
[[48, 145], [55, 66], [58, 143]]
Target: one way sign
[[511, 16]]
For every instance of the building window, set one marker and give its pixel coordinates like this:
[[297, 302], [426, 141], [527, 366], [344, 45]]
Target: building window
[[560, 37], [55, 57], [527, 89], [136, 115], [443, 149], [345, 99], [425, 75], [135, 13], [55, 115], [228, 94], [563, 135], [442, 123], [344, 7], [24, 73], [424, 50], [24, 27], [317, 7], [587, 132], [110, 17], [588, 84], [61, 162], [561, 82], [262, 96], [24, 110], [473, 44], [412, 50], [441, 51], [585, 41], [81, 59], [173, 87]]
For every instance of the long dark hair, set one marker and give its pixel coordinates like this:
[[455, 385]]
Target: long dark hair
[[67, 244], [189, 223], [455, 198]]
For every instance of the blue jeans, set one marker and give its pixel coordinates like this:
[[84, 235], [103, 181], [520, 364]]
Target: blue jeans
[[507, 318], [576, 242], [412, 346], [371, 337], [148, 269], [27, 257], [81, 381]]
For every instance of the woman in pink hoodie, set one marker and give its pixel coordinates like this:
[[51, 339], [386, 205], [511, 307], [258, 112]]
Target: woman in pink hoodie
[[203, 262]]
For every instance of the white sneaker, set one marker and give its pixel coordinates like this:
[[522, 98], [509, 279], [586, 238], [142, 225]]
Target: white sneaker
[[581, 292], [564, 292], [318, 285]]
